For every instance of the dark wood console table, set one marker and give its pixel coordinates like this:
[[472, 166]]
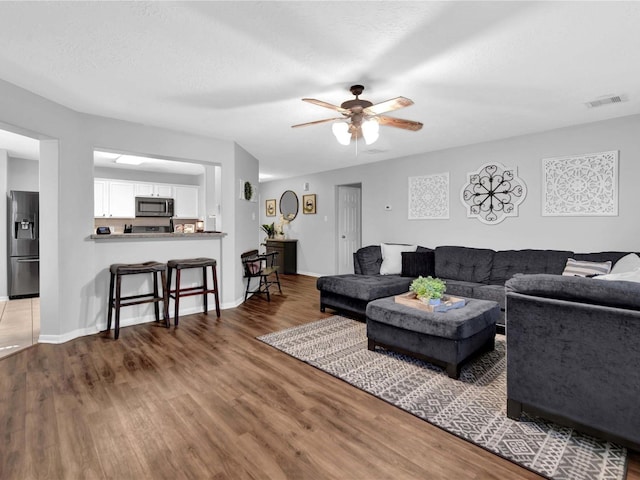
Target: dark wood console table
[[287, 258]]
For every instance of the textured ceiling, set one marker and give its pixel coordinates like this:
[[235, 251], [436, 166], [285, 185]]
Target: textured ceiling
[[477, 71]]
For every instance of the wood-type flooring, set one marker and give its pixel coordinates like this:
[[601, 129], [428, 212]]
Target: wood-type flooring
[[208, 400]]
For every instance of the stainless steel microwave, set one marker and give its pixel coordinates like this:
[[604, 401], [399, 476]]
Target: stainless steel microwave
[[154, 207]]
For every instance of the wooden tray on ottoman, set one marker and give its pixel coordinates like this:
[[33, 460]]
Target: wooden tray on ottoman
[[448, 302]]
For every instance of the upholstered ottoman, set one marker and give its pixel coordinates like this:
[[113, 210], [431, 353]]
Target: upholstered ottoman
[[446, 339]]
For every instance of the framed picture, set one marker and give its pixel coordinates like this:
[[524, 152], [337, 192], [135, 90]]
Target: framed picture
[[270, 207], [309, 203]]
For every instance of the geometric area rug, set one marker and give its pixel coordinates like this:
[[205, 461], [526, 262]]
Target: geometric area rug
[[473, 407]]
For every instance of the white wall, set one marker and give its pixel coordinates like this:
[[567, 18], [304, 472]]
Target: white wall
[[68, 257], [4, 167], [386, 183], [246, 212], [23, 175]]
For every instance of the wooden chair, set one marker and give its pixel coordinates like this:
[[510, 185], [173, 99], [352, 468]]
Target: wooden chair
[[260, 266]]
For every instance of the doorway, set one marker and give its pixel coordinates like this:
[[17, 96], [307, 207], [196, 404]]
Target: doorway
[[349, 230], [19, 172]]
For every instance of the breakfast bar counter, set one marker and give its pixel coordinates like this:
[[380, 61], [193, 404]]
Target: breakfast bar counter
[[132, 248], [172, 236]]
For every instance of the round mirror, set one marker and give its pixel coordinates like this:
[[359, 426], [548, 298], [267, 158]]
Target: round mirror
[[289, 205]]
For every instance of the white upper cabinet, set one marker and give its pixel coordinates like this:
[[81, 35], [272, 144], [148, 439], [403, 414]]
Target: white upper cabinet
[[122, 199], [154, 190], [186, 201], [100, 198]]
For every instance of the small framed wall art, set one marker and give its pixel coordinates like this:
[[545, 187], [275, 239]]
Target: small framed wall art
[[270, 207], [309, 203]]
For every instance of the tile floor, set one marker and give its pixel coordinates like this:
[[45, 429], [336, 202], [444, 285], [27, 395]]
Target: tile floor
[[19, 324]]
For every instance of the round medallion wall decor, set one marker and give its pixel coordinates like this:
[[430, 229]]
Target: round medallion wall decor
[[493, 193]]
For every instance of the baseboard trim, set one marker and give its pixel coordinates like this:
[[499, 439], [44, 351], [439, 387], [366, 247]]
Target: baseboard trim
[[4, 299], [83, 332], [312, 274]]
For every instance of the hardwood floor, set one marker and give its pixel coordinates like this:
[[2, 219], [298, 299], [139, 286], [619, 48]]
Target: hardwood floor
[[208, 400]]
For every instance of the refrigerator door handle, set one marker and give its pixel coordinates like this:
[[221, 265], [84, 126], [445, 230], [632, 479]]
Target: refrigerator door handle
[[28, 260]]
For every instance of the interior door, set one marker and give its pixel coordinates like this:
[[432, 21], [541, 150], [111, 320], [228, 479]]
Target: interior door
[[349, 226]]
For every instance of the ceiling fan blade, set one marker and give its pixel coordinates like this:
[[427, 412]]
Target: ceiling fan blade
[[320, 103], [388, 106], [399, 123], [316, 122]]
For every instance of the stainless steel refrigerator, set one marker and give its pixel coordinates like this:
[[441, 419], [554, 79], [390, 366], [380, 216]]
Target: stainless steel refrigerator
[[23, 248]]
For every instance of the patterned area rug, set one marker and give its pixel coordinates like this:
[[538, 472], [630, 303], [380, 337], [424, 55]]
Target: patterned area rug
[[473, 407]]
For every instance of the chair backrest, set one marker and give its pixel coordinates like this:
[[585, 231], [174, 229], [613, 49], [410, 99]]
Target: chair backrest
[[251, 263]]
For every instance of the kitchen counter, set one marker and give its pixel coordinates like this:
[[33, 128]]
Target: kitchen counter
[[172, 236]]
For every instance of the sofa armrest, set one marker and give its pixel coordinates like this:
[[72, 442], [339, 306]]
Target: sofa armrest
[[578, 289]]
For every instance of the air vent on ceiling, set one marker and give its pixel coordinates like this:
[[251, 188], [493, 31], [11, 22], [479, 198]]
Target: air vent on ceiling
[[609, 99]]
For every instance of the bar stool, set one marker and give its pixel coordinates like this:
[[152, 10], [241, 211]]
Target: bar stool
[[178, 292], [118, 270]]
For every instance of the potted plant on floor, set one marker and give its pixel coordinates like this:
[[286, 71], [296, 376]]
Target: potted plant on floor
[[429, 290]]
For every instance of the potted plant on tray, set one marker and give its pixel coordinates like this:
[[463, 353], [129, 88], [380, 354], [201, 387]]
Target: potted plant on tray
[[429, 289]]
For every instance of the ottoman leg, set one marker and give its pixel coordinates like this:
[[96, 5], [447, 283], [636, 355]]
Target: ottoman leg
[[453, 370], [371, 345]]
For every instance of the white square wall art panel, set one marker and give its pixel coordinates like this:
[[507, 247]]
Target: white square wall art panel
[[580, 185], [429, 197]]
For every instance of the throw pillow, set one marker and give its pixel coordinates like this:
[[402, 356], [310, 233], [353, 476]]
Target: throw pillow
[[392, 257], [632, 276], [628, 263], [420, 262], [254, 267], [580, 268]]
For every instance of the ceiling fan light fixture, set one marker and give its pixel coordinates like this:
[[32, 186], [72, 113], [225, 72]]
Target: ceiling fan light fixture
[[370, 131], [341, 132]]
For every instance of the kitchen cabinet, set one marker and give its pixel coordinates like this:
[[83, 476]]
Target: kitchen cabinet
[[112, 198], [186, 198], [154, 190], [100, 198], [122, 199], [287, 258]]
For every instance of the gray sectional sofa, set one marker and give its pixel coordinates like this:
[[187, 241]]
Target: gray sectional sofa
[[469, 272], [573, 350]]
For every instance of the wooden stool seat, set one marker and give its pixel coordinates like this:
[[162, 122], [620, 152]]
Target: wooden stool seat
[[117, 271], [179, 292]]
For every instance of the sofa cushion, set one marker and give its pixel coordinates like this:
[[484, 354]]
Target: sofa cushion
[[583, 268], [628, 263], [632, 276], [364, 287], [420, 262], [462, 263], [460, 287], [367, 260], [392, 257], [495, 293], [507, 263]]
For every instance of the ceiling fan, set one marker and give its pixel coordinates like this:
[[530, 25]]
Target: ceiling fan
[[361, 118]]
